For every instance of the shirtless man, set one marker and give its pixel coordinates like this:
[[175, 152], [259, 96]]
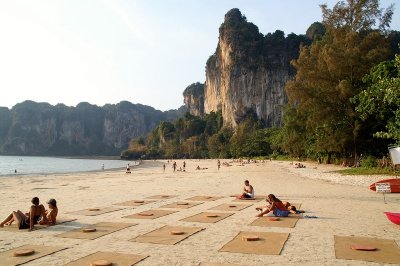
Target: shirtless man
[[248, 191], [28, 220]]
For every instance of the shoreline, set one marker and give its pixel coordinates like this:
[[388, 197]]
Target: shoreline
[[21, 173]]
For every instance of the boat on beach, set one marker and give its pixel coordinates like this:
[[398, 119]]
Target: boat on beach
[[394, 185], [393, 217]]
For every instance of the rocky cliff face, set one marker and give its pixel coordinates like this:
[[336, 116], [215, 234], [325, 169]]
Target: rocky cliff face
[[31, 128], [193, 97], [248, 71]]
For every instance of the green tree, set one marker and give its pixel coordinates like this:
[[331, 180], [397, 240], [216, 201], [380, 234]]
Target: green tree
[[218, 145], [241, 142], [382, 98], [329, 74]]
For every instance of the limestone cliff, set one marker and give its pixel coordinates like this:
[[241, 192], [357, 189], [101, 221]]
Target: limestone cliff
[[193, 97], [248, 71], [31, 128]]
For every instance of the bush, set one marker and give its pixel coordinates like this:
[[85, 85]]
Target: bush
[[369, 162]]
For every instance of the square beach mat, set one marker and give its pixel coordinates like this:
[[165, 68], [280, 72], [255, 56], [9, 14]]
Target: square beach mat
[[168, 235], [181, 205], [261, 243], [102, 229], [150, 214], [232, 207], [387, 251], [96, 211], [119, 259], [204, 198], [270, 221], [134, 202], [7, 258], [14, 228], [207, 217], [252, 200]]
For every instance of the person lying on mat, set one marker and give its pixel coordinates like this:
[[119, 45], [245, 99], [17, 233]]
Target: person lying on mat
[[51, 214], [275, 205], [290, 208], [28, 220], [248, 191]]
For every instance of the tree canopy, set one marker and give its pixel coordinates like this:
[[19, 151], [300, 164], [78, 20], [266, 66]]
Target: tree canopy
[[330, 73], [382, 98]]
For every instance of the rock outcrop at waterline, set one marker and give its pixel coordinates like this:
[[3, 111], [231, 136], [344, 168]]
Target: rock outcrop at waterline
[[248, 71], [31, 128]]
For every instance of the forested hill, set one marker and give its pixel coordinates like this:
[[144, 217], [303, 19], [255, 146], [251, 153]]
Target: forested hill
[[31, 128]]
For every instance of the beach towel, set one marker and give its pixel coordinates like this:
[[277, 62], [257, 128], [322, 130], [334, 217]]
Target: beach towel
[[262, 243]]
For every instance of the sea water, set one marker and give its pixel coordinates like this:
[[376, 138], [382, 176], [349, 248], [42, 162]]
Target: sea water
[[32, 165]]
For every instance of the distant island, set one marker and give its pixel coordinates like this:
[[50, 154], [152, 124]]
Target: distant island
[[31, 128]]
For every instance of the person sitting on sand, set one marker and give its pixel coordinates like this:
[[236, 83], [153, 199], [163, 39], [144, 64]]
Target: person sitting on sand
[[275, 205], [248, 191], [28, 220], [51, 214]]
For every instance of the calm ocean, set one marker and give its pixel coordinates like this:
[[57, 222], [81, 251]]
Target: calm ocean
[[32, 165]]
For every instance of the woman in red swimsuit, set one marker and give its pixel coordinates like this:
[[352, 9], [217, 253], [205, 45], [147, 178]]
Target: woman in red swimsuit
[[276, 206]]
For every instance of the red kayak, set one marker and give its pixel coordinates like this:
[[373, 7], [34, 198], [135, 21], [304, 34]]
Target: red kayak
[[394, 185], [393, 217]]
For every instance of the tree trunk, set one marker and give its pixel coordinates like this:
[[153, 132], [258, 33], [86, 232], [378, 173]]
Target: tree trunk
[[328, 160], [356, 151]]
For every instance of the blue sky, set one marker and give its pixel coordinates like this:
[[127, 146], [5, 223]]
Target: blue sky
[[106, 51]]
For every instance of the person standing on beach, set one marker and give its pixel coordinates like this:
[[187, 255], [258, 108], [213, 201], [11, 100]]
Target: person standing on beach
[[219, 164], [164, 168], [184, 165], [174, 166], [128, 169]]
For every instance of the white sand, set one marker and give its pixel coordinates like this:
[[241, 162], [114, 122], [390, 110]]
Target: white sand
[[344, 205]]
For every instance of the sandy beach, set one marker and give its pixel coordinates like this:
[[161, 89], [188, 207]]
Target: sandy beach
[[343, 204]]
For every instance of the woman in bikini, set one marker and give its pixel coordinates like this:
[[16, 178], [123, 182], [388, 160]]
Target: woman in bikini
[[28, 220], [275, 205], [51, 213]]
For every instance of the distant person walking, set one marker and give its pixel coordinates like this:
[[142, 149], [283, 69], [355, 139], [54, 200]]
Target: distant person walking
[[219, 164], [184, 165], [164, 168], [174, 166]]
